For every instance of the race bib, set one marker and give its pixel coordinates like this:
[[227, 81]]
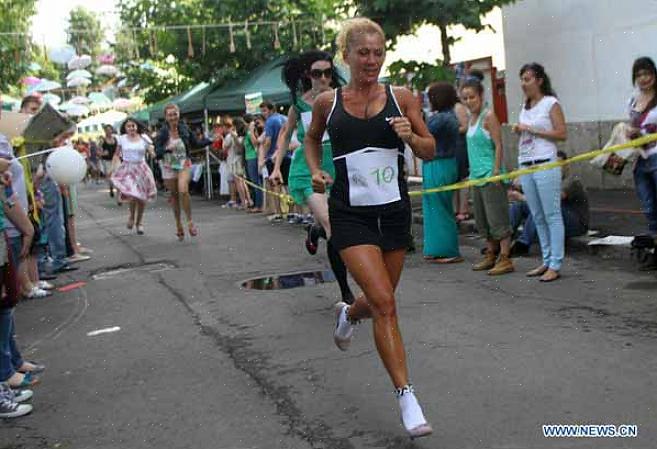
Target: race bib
[[306, 118], [373, 175], [526, 145]]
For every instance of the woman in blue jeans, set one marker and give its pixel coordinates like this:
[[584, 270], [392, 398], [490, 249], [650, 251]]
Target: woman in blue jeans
[[14, 371], [643, 120], [541, 125]]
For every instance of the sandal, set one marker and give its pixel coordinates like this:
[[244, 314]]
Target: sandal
[[131, 223], [29, 380], [193, 230], [180, 234], [140, 229]]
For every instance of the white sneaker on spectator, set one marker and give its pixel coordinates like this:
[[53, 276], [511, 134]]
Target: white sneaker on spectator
[[9, 408], [45, 285], [22, 395], [37, 293]]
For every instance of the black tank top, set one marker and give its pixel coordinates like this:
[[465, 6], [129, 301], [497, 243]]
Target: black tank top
[[368, 157], [110, 148]]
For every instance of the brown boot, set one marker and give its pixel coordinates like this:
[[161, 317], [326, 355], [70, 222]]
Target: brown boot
[[487, 263], [503, 266]]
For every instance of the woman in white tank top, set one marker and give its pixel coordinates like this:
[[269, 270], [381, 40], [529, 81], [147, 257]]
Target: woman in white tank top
[[541, 125]]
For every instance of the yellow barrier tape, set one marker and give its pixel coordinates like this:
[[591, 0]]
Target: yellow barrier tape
[[641, 141], [283, 196]]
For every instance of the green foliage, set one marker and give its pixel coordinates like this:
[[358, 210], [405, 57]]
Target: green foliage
[[85, 31], [419, 75], [398, 17], [15, 49], [212, 59], [157, 80]]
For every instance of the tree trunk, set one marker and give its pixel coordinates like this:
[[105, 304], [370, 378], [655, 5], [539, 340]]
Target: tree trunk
[[444, 42]]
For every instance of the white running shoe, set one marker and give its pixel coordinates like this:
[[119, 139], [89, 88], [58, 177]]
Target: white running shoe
[[412, 417], [344, 329]]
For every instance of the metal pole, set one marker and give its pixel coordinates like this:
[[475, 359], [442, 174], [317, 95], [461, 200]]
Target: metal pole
[[208, 173]]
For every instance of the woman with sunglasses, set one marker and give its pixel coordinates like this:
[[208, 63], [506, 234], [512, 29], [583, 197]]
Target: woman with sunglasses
[[369, 208], [310, 74]]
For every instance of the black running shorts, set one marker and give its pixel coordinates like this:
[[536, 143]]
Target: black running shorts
[[387, 227]]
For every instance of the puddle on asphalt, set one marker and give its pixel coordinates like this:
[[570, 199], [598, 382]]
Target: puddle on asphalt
[[152, 267], [285, 281]]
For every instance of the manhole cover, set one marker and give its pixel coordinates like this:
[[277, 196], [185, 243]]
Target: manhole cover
[[152, 267], [285, 281]]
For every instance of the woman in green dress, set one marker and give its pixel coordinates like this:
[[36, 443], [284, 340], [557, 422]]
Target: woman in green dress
[[441, 243], [307, 76]]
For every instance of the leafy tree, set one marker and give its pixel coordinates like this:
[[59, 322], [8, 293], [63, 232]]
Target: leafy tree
[[15, 48], [85, 31], [418, 75], [211, 58], [157, 80], [398, 17]]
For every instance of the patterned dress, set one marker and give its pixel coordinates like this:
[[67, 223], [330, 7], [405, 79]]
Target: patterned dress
[[134, 178]]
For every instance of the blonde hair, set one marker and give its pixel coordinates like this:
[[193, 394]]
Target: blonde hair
[[171, 106], [352, 27]]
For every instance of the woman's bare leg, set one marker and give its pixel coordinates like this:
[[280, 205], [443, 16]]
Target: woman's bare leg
[[377, 275], [141, 205], [183, 191], [172, 187]]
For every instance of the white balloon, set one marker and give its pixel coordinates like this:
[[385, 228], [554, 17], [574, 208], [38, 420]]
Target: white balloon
[[66, 166]]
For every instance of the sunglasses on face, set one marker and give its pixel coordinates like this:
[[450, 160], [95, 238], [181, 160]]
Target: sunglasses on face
[[317, 73]]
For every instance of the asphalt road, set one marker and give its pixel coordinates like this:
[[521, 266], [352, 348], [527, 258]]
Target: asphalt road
[[200, 363]]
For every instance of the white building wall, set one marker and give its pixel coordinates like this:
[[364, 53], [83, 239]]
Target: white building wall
[[587, 48]]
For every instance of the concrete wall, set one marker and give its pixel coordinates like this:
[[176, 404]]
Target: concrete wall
[[582, 137], [586, 46]]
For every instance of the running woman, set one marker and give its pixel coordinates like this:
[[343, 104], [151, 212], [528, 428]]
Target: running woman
[[134, 178], [108, 144], [173, 145], [311, 74], [369, 207]]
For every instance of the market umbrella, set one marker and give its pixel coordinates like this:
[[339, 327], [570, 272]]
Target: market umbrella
[[77, 110], [99, 99], [79, 100], [52, 99], [79, 62], [122, 103], [78, 82], [46, 85], [107, 69], [31, 80], [106, 59], [61, 55], [81, 73]]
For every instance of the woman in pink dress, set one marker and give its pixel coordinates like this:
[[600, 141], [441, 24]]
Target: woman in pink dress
[[134, 178]]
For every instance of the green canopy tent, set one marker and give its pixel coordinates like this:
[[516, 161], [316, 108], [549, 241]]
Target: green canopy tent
[[188, 102], [265, 79]]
